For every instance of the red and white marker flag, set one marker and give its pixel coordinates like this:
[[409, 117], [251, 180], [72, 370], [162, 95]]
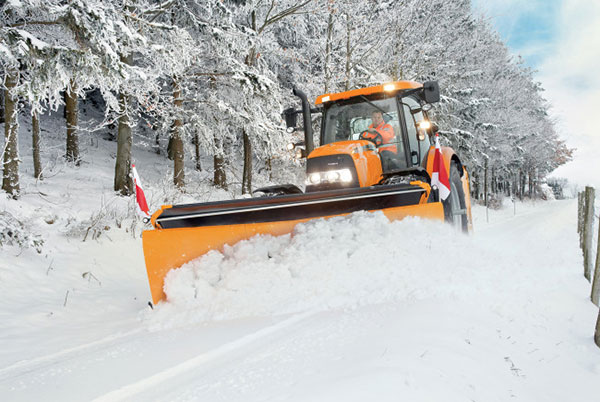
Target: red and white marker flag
[[439, 177], [140, 198]]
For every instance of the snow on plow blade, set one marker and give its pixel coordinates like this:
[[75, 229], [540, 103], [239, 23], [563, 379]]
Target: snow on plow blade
[[184, 232]]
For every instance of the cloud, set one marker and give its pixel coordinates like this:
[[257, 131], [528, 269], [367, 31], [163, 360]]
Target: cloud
[[569, 75], [561, 40]]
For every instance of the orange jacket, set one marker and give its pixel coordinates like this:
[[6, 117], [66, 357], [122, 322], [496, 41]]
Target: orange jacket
[[387, 134]]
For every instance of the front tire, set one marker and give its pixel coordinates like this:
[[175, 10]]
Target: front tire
[[455, 209]]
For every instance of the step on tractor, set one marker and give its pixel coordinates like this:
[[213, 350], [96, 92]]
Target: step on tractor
[[376, 153]]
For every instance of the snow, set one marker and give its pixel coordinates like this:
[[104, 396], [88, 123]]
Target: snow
[[35, 42], [354, 308], [492, 316], [341, 263]]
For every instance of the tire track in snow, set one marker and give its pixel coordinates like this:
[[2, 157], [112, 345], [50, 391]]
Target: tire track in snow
[[26, 366], [129, 391]]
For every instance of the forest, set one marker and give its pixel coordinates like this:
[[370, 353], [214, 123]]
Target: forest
[[211, 77]]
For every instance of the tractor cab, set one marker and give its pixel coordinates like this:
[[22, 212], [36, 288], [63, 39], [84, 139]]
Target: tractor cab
[[405, 142], [369, 132]]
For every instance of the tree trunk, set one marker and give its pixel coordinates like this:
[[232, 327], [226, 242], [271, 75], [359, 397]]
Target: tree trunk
[[328, 52], [197, 151], [157, 144], [10, 171], [64, 94], [348, 52], [596, 281], [72, 154], [35, 147], [475, 188], [247, 172], [523, 182], [247, 176], [177, 140], [220, 178], [485, 184], [170, 153], [1, 106], [123, 182]]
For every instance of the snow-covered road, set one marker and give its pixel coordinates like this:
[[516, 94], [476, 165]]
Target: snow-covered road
[[500, 315]]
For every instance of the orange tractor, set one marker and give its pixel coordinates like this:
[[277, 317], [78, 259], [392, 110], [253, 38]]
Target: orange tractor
[[375, 154]]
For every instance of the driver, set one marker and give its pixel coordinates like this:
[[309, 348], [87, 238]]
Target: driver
[[380, 132]]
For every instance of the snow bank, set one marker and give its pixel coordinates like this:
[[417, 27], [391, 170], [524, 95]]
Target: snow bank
[[339, 263]]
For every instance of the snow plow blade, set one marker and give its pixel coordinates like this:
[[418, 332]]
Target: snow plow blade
[[182, 233]]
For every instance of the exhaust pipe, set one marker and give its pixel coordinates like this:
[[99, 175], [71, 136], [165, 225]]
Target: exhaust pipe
[[306, 117]]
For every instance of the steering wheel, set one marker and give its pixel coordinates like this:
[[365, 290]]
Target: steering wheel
[[377, 139]]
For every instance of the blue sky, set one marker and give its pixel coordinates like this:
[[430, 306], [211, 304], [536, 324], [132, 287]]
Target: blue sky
[[560, 40], [529, 29]]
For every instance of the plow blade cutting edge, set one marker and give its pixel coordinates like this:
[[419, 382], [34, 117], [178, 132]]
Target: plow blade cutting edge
[[184, 232]]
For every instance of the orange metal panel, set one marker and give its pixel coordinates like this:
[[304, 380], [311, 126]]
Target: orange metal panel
[[339, 147], [165, 249], [398, 85], [366, 162]]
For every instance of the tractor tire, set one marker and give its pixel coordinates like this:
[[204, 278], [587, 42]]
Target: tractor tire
[[455, 209]]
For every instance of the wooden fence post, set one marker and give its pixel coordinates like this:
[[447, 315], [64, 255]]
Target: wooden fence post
[[597, 333], [580, 204], [596, 281], [588, 220]]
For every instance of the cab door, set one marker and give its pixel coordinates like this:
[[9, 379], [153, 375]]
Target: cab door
[[413, 115]]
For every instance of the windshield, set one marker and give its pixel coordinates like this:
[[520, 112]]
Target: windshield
[[375, 120], [347, 121]]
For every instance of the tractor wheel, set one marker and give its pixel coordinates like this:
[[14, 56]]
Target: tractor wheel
[[455, 209]]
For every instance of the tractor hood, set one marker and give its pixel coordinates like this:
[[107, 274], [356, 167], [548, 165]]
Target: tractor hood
[[343, 147], [343, 164]]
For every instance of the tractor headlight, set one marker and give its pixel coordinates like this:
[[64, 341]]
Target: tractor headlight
[[290, 146], [425, 125], [314, 178], [345, 175], [330, 176]]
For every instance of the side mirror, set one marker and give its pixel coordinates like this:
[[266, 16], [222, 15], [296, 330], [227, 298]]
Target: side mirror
[[291, 117], [431, 92]]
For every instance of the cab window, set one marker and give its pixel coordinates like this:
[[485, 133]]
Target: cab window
[[413, 116], [348, 121]]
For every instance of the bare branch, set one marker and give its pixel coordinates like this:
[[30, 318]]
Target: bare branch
[[22, 24], [281, 15]]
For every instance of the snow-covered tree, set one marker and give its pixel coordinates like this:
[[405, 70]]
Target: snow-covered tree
[[214, 75]]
